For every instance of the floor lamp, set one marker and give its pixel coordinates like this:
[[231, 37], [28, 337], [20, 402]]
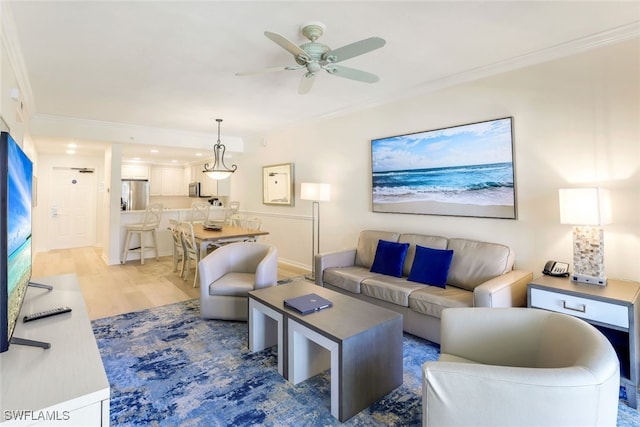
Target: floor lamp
[[316, 192], [587, 209]]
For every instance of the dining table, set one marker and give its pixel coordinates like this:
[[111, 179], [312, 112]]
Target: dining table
[[228, 233]]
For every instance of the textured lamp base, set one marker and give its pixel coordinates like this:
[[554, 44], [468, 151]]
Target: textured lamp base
[[582, 278], [588, 256]]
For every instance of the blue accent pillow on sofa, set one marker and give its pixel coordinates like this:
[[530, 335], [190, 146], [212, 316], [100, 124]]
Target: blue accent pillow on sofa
[[389, 258], [431, 266]]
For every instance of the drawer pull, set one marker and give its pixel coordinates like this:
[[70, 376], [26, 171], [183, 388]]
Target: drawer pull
[[582, 308]]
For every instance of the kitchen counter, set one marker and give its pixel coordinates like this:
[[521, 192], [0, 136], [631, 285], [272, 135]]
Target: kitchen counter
[[165, 241], [164, 210]]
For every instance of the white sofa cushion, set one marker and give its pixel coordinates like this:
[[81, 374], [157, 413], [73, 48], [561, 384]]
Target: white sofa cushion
[[348, 278], [431, 300], [395, 290], [368, 243], [476, 262], [434, 242]]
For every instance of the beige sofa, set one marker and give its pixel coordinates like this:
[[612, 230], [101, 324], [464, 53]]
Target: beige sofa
[[520, 367], [481, 275]]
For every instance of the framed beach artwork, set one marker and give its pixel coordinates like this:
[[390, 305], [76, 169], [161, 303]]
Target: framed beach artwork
[[464, 170], [277, 184]]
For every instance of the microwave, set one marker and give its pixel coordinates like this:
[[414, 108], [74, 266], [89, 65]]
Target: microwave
[[194, 189]]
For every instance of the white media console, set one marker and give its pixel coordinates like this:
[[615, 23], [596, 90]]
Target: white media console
[[65, 385]]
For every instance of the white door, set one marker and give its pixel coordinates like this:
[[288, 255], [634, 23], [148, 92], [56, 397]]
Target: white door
[[72, 213]]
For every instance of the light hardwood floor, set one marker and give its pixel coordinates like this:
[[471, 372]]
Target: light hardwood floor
[[115, 289]]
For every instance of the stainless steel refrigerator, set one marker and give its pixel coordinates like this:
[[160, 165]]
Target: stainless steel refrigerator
[[135, 194]]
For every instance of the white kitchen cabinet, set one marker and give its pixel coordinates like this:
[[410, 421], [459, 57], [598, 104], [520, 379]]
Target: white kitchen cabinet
[[131, 171], [172, 181], [212, 187], [167, 181], [208, 186], [155, 181], [186, 179], [224, 187]]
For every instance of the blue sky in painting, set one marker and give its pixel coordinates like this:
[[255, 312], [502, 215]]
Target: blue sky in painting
[[473, 144], [19, 202]]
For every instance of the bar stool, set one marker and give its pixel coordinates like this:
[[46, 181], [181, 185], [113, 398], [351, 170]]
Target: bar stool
[[151, 222]]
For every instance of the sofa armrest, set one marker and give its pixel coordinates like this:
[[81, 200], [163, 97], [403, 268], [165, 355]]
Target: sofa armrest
[[506, 290], [343, 258]]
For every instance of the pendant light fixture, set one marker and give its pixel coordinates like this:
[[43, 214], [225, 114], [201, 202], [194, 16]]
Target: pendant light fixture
[[218, 170]]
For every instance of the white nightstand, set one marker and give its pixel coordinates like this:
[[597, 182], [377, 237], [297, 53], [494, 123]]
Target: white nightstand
[[613, 309]]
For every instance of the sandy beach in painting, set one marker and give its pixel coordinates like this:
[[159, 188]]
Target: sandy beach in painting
[[442, 208]]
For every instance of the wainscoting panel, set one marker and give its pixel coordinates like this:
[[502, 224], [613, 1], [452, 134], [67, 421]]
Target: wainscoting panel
[[291, 234]]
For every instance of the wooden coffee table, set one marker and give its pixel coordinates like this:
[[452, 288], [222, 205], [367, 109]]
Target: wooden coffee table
[[361, 343]]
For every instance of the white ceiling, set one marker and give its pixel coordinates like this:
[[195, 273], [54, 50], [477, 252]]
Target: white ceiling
[[172, 64]]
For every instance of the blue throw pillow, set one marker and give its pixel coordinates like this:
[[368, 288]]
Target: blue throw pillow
[[389, 258], [431, 266]]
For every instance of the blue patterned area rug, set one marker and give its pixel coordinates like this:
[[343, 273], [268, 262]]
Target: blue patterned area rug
[[168, 367]]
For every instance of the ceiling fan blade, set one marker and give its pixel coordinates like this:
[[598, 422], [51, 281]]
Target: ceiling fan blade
[[306, 83], [286, 44], [266, 70], [352, 73], [354, 49]]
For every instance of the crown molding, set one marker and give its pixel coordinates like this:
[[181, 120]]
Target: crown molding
[[574, 47], [44, 125]]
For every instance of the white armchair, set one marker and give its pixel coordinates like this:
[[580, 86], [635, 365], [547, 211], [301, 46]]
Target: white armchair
[[229, 273], [520, 367]]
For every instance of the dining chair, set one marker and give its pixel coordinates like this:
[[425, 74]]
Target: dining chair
[[217, 215], [178, 244], [150, 224], [200, 212], [191, 250], [253, 223], [238, 220], [232, 209]]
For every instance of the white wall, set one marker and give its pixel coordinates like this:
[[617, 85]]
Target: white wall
[[576, 123]]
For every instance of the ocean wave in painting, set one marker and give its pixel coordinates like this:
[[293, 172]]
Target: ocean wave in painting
[[488, 184]]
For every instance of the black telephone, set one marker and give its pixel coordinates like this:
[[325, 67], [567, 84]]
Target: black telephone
[[558, 269]]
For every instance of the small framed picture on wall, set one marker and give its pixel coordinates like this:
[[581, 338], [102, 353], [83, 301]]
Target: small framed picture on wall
[[277, 184]]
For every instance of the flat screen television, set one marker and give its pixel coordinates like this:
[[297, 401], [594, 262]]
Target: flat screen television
[[16, 177]]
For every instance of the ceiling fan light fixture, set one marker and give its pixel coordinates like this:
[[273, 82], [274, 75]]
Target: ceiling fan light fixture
[[219, 170], [315, 56]]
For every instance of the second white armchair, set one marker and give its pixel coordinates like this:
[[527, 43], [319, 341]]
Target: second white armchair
[[229, 273]]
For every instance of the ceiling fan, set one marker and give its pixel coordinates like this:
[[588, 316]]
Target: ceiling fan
[[314, 56]]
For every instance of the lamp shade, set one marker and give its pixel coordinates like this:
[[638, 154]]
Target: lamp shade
[[319, 192], [584, 206]]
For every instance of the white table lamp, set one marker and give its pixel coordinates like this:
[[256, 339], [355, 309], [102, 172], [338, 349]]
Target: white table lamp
[[587, 209], [316, 192]]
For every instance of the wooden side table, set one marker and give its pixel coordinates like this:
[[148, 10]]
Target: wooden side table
[[613, 309]]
